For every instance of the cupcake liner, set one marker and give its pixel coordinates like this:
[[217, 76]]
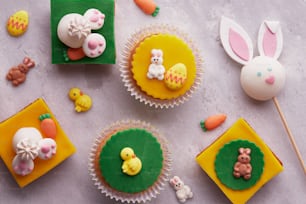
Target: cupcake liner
[[127, 75], [96, 176]]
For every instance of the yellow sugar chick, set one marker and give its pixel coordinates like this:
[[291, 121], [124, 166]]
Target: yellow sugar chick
[[82, 101], [131, 164]]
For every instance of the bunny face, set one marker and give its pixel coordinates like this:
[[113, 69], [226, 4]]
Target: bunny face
[[177, 183], [262, 77], [244, 155], [157, 56]]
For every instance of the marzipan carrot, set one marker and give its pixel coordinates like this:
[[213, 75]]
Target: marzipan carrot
[[75, 53], [147, 6], [212, 122], [47, 125]]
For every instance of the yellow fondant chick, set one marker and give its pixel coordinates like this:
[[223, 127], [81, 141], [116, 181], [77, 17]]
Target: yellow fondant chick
[[82, 101], [131, 164]]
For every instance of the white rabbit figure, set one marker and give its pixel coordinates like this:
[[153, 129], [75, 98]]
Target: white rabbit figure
[[262, 77], [156, 68], [183, 192]]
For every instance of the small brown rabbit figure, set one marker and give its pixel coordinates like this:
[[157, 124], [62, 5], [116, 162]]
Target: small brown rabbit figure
[[18, 73], [242, 167]]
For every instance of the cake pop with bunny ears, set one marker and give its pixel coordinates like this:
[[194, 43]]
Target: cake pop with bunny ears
[[262, 77]]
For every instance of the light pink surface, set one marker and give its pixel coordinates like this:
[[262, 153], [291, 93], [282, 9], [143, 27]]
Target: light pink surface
[[220, 92]]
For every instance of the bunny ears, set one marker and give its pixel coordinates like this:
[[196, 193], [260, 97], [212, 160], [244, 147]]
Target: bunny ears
[[156, 53], [238, 44]]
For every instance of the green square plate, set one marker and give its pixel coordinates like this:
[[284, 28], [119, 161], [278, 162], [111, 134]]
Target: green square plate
[[59, 8]]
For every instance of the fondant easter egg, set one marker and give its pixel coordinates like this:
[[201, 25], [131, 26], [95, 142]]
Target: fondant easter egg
[[17, 23], [176, 76]]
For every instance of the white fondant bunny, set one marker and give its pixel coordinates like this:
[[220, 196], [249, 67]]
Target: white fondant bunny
[[183, 192], [156, 68], [262, 77]]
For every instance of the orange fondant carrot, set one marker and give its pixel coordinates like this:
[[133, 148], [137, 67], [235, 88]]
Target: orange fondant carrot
[[75, 53], [47, 126], [212, 122], [147, 6]]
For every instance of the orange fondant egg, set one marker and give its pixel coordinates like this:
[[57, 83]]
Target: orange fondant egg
[[17, 23], [176, 76]]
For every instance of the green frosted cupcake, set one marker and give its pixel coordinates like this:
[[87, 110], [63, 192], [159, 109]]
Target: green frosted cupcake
[[133, 175]]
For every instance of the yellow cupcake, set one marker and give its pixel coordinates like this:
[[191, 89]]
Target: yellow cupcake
[[174, 51], [161, 66]]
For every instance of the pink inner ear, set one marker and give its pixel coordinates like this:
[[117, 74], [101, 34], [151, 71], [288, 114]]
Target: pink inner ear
[[238, 45], [241, 150], [269, 43]]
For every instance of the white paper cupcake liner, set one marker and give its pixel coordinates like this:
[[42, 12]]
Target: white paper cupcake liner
[[94, 170], [127, 76]]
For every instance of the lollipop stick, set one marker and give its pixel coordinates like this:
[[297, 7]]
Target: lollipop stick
[[296, 149]]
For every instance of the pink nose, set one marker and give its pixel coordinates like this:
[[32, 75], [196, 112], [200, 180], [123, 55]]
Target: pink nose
[[270, 80]]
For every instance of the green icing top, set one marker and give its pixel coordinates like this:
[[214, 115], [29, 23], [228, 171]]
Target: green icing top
[[226, 159], [59, 8], [146, 148]]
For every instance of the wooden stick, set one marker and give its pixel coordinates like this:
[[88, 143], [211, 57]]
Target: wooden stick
[[296, 149]]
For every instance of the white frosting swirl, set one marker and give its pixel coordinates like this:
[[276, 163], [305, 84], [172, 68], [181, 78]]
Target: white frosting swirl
[[27, 150], [79, 26]]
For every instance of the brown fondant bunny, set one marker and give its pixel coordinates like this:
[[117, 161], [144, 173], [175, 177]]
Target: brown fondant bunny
[[243, 167], [18, 73]]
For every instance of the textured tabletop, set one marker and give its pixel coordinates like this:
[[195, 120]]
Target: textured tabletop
[[220, 92]]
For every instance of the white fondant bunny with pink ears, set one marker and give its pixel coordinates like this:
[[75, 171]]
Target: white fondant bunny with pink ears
[[183, 192], [262, 77], [156, 68]]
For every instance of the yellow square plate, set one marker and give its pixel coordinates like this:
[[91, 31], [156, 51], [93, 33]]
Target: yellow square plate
[[29, 117], [239, 131]]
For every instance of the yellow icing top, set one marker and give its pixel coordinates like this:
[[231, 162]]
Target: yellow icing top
[[29, 117], [175, 51], [240, 130]]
